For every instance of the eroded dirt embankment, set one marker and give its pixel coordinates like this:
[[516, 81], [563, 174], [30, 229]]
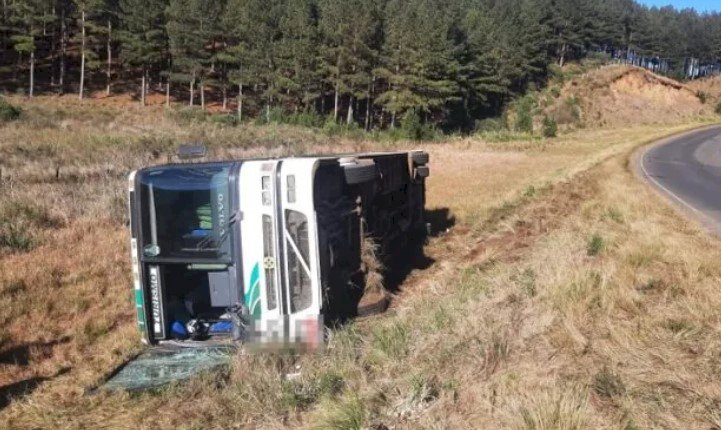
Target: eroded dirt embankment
[[621, 95]]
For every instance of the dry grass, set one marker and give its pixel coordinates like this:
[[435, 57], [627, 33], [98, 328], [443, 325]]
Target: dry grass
[[516, 325], [710, 86]]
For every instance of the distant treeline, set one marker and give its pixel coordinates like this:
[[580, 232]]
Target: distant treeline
[[367, 62]]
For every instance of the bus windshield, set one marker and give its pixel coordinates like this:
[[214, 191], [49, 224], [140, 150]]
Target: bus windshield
[[186, 212]]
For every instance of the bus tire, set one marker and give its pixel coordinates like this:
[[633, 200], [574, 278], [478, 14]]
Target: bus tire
[[419, 158]]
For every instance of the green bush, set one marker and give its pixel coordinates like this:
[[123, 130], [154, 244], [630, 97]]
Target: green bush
[[8, 112], [550, 128], [524, 114], [306, 119], [718, 108], [595, 245], [224, 119], [489, 125], [413, 128], [19, 226]]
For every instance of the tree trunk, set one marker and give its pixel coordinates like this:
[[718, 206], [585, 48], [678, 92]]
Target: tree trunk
[[82, 55], [335, 106], [192, 91], [393, 119], [349, 118], [142, 88], [225, 97], [202, 94], [32, 73], [167, 93], [562, 59], [53, 51], [322, 100], [63, 50], [109, 72], [368, 105], [240, 103]]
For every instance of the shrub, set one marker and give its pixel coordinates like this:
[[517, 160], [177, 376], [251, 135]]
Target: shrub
[[550, 128], [489, 125], [702, 96], [306, 119], [718, 108], [224, 119], [574, 102], [413, 128], [595, 245], [524, 114], [608, 384], [8, 112], [19, 224]]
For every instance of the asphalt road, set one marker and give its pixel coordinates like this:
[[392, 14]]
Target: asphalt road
[[687, 170]]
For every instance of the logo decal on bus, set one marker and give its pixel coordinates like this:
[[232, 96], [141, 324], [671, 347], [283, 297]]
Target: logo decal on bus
[[156, 302], [252, 296]]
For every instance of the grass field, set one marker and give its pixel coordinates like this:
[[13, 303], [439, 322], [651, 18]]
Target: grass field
[[566, 296]]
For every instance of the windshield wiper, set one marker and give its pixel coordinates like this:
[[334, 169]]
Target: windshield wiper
[[207, 241]]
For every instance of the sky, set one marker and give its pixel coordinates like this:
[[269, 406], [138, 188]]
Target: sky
[[699, 5]]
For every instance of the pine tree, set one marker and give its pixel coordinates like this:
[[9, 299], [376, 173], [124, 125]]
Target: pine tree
[[351, 41], [27, 19], [143, 37], [88, 11], [419, 67], [297, 53], [194, 32], [257, 36]]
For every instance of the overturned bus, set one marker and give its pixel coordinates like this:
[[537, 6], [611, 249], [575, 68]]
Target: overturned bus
[[264, 249]]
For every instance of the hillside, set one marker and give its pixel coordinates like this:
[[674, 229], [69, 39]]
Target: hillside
[[619, 95]]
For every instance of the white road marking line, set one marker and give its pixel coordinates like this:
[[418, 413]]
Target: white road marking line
[[671, 193]]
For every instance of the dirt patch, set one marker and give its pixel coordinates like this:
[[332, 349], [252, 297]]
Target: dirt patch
[[621, 95]]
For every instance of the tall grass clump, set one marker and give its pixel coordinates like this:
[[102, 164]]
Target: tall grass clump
[[702, 96], [20, 225], [188, 115], [550, 128], [595, 245], [8, 112], [348, 413]]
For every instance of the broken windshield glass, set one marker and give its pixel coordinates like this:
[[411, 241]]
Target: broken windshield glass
[[160, 366]]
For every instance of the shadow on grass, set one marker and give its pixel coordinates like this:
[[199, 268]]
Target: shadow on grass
[[20, 355], [10, 392]]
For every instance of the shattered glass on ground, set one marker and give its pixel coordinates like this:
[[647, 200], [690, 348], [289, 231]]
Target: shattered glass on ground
[[160, 366]]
